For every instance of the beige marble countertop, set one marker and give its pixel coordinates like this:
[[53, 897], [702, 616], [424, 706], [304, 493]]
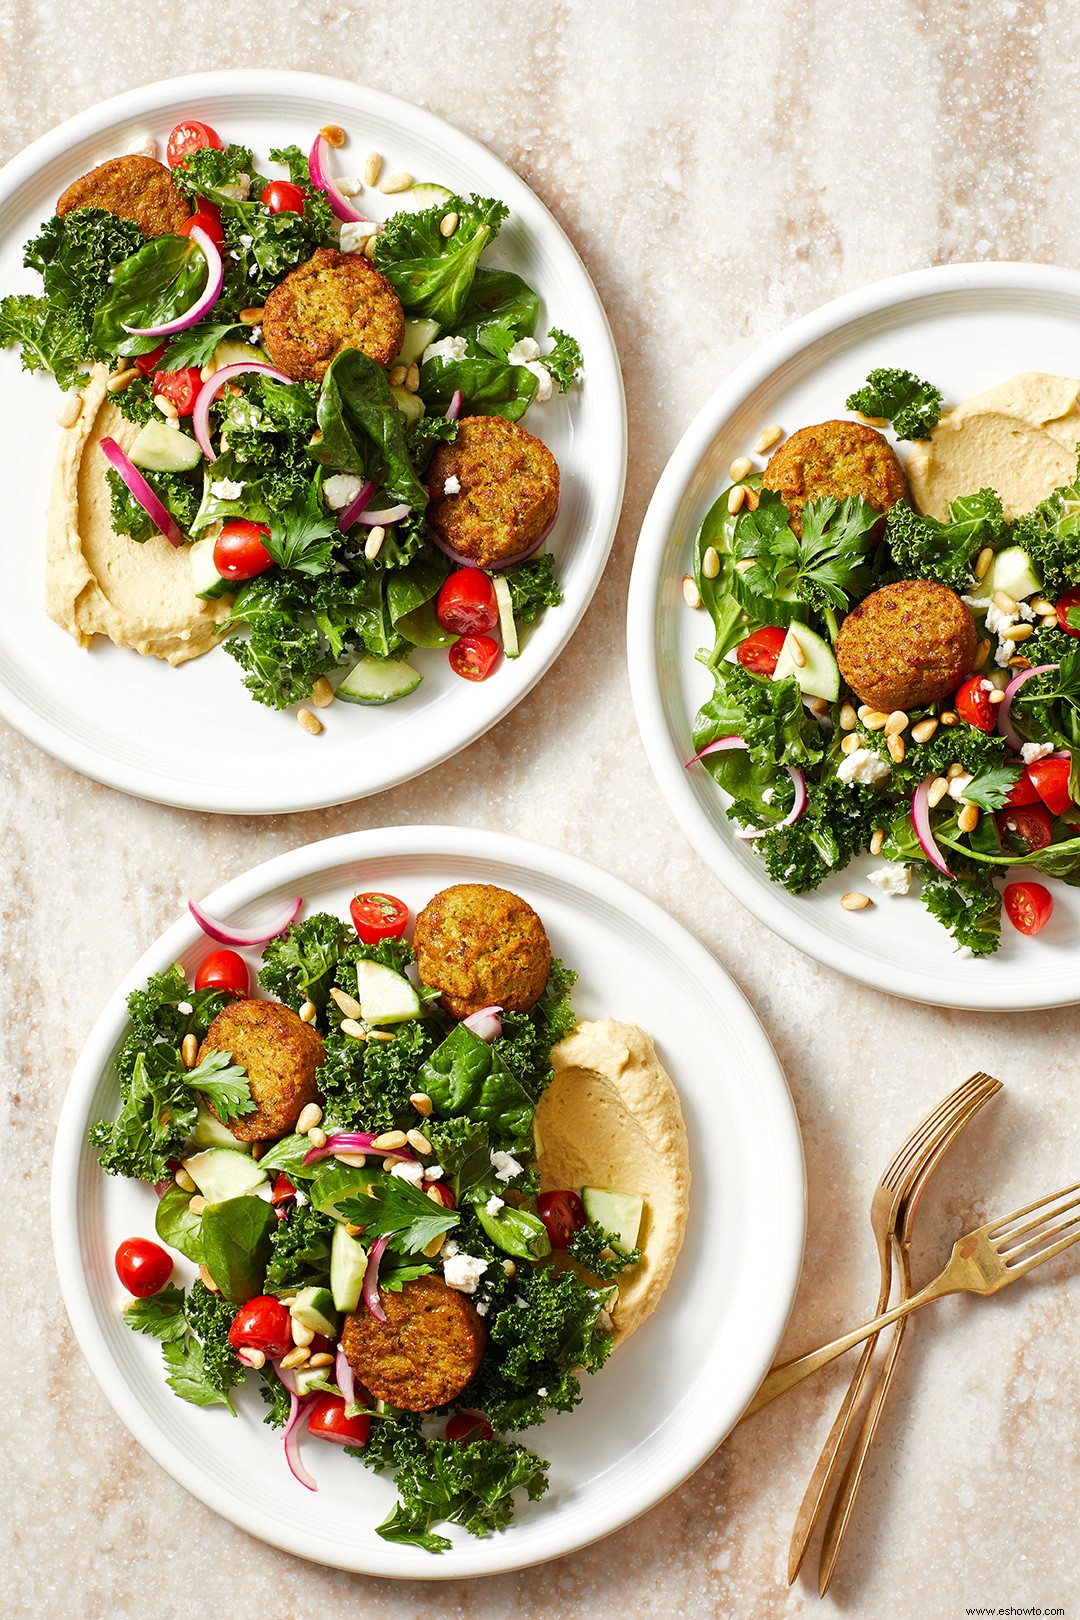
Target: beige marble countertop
[[722, 168]]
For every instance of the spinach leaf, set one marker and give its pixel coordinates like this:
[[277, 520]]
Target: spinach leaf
[[156, 284], [499, 310], [432, 274], [236, 1245], [363, 431], [489, 387], [517, 1231], [176, 1225], [466, 1076]]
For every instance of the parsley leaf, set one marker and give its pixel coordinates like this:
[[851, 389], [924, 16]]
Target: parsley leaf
[[400, 1212], [823, 566], [224, 1084], [302, 534], [196, 346], [187, 1375], [991, 788], [913, 407], [162, 1316]]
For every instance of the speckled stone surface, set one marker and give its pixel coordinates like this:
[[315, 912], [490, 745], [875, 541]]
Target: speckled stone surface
[[721, 168]]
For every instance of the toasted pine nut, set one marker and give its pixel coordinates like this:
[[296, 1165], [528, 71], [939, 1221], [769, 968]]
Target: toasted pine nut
[[369, 247], [333, 135], [865, 709], [982, 653], [207, 371], [373, 543], [848, 718], [302, 1335], [122, 380], [895, 745], [871, 421], [968, 819], [252, 316], [422, 1103], [818, 707], [412, 378], [348, 1004], [310, 1116], [798, 657], [372, 169], [850, 742], [309, 722], [877, 838], [251, 1357], [208, 1282], [189, 1051], [68, 414], [355, 1161], [752, 499], [896, 723], [736, 498], [434, 1246], [390, 1161], [955, 770], [710, 562], [184, 1181], [1042, 607], [1048, 622], [1005, 602], [924, 730], [379, 1035], [1019, 632], [197, 1204], [417, 1140], [258, 1149], [322, 693], [949, 717], [396, 378], [510, 1268], [767, 438], [876, 720], [691, 594], [996, 696], [307, 1012], [316, 1136], [983, 561], [448, 224], [388, 1140], [400, 180], [854, 901], [1019, 663], [321, 1358], [739, 469], [166, 406], [297, 1357], [936, 791], [353, 1231]]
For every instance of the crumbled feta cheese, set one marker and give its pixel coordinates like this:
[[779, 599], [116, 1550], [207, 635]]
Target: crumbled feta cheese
[[301, 1198], [522, 1304], [256, 334], [449, 1249], [253, 272], [1028, 612], [348, 185], [1005, 650], [506, 1166], [246, 241], [341, 489], [432, 1172], [526, 353], [184, 1007], [447, 348], [226, 489], [482, 1307], [238, 191], [977, 604], [987, 686], [863, 765], [997, 621], [494, 1204], [463, 1272], [542, 1391], [892, 878], [452, 485], [958, 785], [768, 796], [353, 235], [409, 1170], [1030, 752]]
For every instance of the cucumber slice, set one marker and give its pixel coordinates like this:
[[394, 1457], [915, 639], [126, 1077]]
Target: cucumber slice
[[421, 194], [334, 1182], [618, 1213], [422, 627], [378, 680], [411, 406], [314, 1308], [222, 1173], [418, 334], [205, 578], [348, 1263], [235, 352], [385, 997], [209, 1132], [507, 628], [310, 1379], [1011, 572], [159, 448], [818, 675]]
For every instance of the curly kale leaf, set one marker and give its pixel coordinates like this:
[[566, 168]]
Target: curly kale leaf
[[969, 907], [301, 964], [50, 341], [837, 825], [1051, 537], [276, 1396], [423, 437], [219, 174], [367, 1085], [282, 655], [563, 359], [923, 548], [432, 274], [468, 1484], [176, 490], [599, 1253], [912, 406], [533, 587], [300, 1251]]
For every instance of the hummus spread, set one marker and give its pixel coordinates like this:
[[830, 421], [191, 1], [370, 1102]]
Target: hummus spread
[[140, 595], [1019, 438], [611, 1118]]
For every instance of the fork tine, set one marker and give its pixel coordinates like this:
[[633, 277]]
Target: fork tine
[[1034, 1260], [934, 1157], [1008, 1244], [996, 1227], [951, 1106]]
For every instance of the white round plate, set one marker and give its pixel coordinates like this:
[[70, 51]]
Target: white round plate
[[963, 327], [192, 736], [664, 1400]]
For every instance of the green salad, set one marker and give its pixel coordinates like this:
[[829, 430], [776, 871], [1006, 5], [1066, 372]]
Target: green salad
[[890, 681]]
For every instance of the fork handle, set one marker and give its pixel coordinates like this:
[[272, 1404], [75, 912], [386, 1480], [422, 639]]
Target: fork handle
[[790, 1373]]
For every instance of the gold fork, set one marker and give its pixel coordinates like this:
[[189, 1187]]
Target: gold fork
[[982, 1262], [896, 1193]]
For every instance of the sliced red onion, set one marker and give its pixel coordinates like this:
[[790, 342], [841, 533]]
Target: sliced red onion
[[388, 514], [371, 1280], [323, 180], [1004, 724], [453, 410], [232, 936], [717, 747], [215, 275], [343, 1377], [793, 814], [298, 1410], [504, 562], [162, 1187], [140, 490], [920, 820], [353, 1142], [485, 1023], [211, 388], [349, 516]]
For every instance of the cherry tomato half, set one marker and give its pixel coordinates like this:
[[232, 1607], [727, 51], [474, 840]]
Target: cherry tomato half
[[1023, 790], [442, 1192], [181, 387], [563, 1214], [262, 1324], [1026, 828], [224, 971], [188, 137], [327, 1421], [973, 704], [1028, 906], [282, 197], [146, 363], [283, 1190], [378, 916], [474, 657], [1070, 601], [759, 652], [466, 1426], [143, 1267], [208, 219], [239, 552], [1051, 778], [466, 604]]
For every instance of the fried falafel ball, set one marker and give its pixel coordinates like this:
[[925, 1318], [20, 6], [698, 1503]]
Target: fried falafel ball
[[907, 645], [132, 187], [503, 491], [281, 1055], [840, 459], [332, 301], [426, 1351], [482, 946]]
